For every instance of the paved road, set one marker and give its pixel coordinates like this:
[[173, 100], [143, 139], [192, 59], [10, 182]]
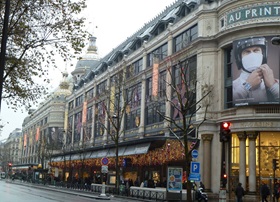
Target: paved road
[[26, 192]]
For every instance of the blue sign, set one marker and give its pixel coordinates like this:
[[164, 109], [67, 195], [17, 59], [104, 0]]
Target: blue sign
[[194, 177], [195, 167], [104, 161], [194, 153]]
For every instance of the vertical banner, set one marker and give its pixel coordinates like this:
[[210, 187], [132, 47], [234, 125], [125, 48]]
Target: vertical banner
[[174, 178], [112, 99], [84, 119], [25, 140], [155, 77], [37, 134]]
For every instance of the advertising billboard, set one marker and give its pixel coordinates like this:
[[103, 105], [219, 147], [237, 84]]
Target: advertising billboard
[[174, 178], [255, 71]]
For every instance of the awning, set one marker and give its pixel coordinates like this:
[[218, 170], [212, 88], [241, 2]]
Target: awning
[[137, 149], [123, 151]]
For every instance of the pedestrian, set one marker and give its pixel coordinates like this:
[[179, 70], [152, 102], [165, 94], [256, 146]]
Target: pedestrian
[[201, 185], [276, 190], [265, 192], [239, 192]]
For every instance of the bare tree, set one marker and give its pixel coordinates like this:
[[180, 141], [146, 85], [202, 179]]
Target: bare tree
[[115, 106], [181, 96]]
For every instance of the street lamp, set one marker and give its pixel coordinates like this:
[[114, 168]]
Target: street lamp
[[275, 40]]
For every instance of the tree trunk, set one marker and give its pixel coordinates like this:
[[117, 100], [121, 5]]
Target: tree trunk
[[187, 166], [117, 185]]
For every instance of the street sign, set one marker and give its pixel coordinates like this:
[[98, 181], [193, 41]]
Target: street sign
[[194, 153], [104, 161], [104, 169], [194, 177], [195, 167]]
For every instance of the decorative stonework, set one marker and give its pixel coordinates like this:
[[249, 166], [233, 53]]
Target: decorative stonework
[[252, 135], [207, 137], [242, 136]]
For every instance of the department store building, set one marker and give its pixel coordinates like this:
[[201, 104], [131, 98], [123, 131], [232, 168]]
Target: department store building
[[209, 37]]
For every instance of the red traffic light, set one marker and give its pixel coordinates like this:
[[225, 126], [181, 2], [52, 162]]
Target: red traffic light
[[226, 125], [225, 176], [10, 164]]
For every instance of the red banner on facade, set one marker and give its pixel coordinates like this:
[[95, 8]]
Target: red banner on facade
[[37, 134], [84, 115]]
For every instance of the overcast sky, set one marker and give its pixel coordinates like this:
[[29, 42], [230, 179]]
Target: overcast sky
[[111, 21]]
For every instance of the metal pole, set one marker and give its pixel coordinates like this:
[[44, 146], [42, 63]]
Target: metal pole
[[3, 46]]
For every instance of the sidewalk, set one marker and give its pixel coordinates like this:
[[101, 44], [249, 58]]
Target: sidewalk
[[94, 195]]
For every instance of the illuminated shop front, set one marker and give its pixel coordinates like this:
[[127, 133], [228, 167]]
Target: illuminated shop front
[[265, 146], [142, 166]]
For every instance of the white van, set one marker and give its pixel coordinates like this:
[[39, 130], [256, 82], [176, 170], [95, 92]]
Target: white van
[[2, 175]]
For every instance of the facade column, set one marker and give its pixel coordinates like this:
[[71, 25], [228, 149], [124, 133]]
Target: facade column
[[207, 138], [106, 122], [242, 158], [141, 130], [252, 161], [93, 118], [84, 122], [168, 81], [168, 107]]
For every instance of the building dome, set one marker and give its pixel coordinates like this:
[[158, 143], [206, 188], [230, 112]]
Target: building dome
[[64, 86], [88, 61]]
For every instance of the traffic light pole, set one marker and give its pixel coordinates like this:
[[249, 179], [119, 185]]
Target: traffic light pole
[[223, 165], [273, 199]]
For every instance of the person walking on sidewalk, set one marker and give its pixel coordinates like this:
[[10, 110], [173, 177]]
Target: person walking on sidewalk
[[265, 192], [239, 192]]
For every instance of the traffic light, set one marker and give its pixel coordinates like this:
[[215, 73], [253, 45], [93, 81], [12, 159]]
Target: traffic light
[[275, 164], [224, 131], [224, 180], [10, 164]]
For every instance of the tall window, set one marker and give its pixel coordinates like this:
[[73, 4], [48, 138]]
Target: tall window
[[154, 109], [133, 110], [162, 84], [78, 126], [100, 119], [184, 76], [149, 89], [160, 53], [228, 77], [101, 88], [89, 114], [79, 100], [69, 130], [153, 113], [183, 40], [71, 105], [89, 94], [134, 68]]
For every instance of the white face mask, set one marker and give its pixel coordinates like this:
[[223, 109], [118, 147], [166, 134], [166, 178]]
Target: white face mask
[[252, 61]]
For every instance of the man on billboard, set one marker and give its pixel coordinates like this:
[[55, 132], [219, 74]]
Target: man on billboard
[[256, 83]]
